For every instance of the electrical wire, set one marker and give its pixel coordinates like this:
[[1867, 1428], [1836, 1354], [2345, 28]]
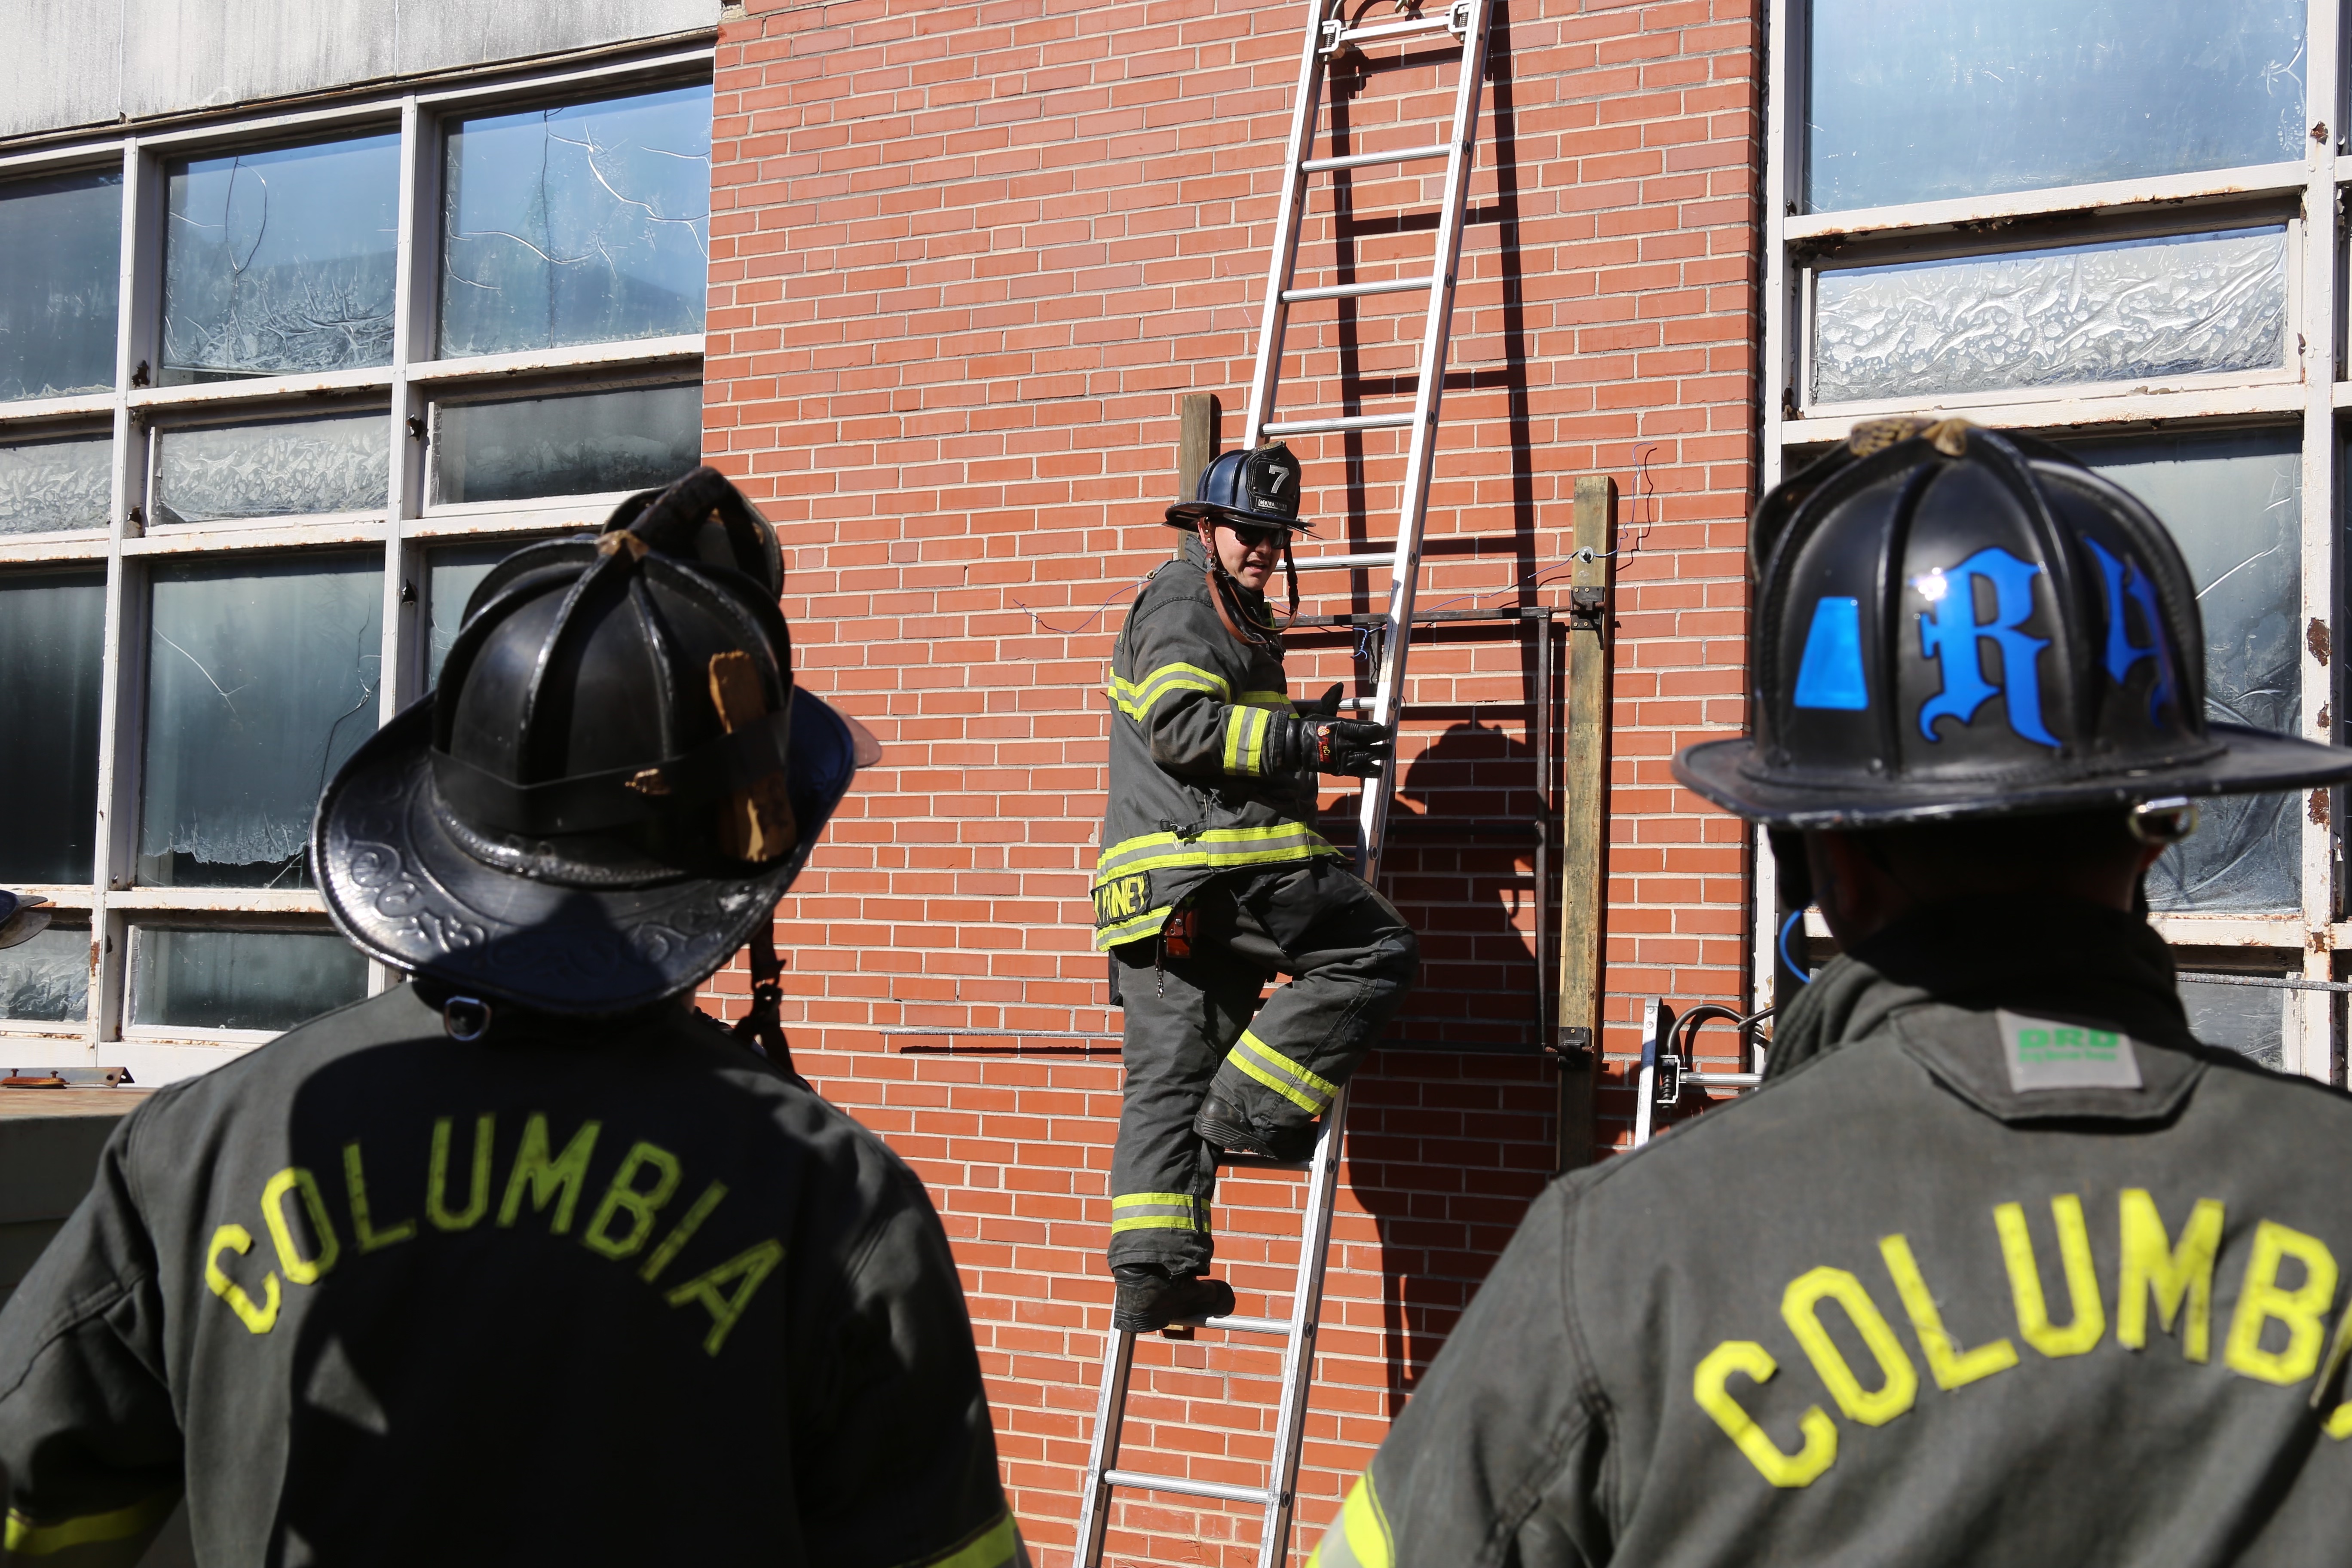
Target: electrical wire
[[1804, 976]]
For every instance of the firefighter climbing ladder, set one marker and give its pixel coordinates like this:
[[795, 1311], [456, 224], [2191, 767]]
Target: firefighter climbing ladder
[[1329, 32]]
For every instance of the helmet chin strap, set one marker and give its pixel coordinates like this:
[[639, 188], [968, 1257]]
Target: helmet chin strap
[[1217, 576]]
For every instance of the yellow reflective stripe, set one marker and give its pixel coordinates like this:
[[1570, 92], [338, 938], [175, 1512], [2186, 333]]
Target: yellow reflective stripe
[[1361, 1537], [1135, 698], [1281, 1087], [1279, 1063], [1152, 1211], [1246, 730], [29, 1539], [1217, 846], [1136, 929], [1277, 700], [1132, 1200], [997, 1546], [1156, 1222]]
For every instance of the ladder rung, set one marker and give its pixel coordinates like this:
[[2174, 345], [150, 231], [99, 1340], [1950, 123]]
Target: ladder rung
[[1357, 290], [1417, 27], [1232, 1160], [1365, 160], [1348, 563], [1140, 1482], [1240, 1325], [1724, 1079], [1347, 422]]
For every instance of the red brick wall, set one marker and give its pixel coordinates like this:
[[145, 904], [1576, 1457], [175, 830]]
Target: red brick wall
[[966, 260]]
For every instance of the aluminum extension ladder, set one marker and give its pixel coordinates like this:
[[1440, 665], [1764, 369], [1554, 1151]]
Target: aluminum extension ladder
[[1668, 1049], [1328, 32]]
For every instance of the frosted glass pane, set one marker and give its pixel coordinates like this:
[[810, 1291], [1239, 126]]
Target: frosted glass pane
[[52, 643], [60, 265], [583, 444], [47, 978], [262, 678], [451, 576], [2118, 312], [2248, 1019], [242, 979], [1938, 98], [283, 469], [2234, 504], [48, 485], [578, 225], [281, 262]]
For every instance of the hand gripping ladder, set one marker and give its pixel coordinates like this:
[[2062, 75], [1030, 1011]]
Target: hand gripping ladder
[[1328, 32]]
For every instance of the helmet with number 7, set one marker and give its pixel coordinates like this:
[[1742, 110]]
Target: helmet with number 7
[[1953, 622]]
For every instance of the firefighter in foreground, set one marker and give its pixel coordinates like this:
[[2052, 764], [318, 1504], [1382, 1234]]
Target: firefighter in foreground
[[1999, 1264], [1211, 881], [526, 1261]]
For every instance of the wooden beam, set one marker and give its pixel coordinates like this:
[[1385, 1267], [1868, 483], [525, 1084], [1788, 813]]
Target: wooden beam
[[1584, 817], [1196, 446]]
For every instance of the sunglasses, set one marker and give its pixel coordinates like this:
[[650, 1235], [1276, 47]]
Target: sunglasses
[[1253, 534]]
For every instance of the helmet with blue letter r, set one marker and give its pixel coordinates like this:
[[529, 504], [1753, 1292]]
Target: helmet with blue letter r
[[1952, 622]]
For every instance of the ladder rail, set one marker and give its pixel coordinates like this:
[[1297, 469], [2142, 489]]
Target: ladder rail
[[1299, 1353], [1404, 576], [1306, 115]]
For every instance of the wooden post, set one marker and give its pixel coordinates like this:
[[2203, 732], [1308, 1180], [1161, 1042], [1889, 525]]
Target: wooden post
[[1584, 817], [1196, 446]]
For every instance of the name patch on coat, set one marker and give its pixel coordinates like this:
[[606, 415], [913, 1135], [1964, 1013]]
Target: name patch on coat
[[2042, 1053]]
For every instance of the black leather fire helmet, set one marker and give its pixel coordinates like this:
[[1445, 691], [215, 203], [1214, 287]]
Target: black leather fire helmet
[[612, 785], [1256, 489], [23, 917], [1950, 622]]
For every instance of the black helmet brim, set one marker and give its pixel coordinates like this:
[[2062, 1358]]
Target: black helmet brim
[[2249, 762], [404, 892], [1189, 514]]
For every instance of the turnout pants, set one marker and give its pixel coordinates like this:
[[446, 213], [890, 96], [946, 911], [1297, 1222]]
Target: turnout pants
[[1194, 1021]]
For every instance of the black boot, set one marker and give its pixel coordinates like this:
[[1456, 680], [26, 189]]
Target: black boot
[[1222, 1125], [1149, 1299]]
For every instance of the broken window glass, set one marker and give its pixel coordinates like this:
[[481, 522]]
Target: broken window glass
[[50, 485], [47, 978], [2234, 501], [286, 468], [52, 662], [2121, 311], [2251, 1020], [60, 266], [580, 444], [586, 224], [280, 262], [240, 979], [451, 576], [262, 677], [1964, 97]]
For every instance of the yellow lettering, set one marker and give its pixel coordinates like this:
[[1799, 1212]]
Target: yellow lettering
[[750, 1267], [682, 1233], [300, 1271], [641, 1206], [238, 1239], [1800, 1308], [1711, 1387], [544, 1177], [1952, 1367], [355, 1184], [2090, 1320], [2153, 1265], [2260, 1301], [437, 1182]]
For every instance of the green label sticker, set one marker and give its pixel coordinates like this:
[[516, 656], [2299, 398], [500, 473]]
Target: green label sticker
[[2043, 1053]]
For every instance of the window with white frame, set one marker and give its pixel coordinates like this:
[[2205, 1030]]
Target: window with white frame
[[274, 396], [2116, 227]]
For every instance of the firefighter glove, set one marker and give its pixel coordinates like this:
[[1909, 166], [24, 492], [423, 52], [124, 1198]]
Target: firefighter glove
[[1352, 747]]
